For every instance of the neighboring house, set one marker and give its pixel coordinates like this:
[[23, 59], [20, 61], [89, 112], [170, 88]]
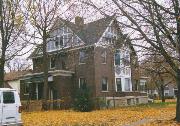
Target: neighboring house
[[170, 91], [89, 54], [12, 79]]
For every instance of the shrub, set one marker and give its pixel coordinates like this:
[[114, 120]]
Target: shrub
[[83, 101]]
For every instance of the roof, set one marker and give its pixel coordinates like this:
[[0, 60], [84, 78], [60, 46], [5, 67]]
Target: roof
[[89, 33], [15, 75]]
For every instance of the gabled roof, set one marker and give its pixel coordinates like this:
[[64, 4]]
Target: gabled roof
[[89, 33]]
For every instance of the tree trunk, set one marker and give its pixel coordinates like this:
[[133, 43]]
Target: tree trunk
[[2, 62], [162, 93], [45, 70], [1, 75], [178, 97]]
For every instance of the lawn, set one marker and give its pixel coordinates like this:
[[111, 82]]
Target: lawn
[[151, 114]]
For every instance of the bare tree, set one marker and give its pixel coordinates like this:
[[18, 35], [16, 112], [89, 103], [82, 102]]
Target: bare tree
[[159, 73], [11, 28], [18, 64], [42, 15], [157, 26]]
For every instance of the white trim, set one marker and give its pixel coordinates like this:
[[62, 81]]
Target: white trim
[[77, 47], [63, 34]]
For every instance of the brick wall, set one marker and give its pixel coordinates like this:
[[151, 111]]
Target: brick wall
[[104, 70]]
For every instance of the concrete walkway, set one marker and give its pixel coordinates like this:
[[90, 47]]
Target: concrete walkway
[[139, 122]]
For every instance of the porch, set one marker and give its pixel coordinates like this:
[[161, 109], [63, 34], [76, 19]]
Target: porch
[[31, 87]]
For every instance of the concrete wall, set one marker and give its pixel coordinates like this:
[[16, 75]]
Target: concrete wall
[[126, 101]]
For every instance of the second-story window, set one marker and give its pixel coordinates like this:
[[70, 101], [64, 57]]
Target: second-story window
[[117, 57], [103, 56], [82, 57], [52, 62]]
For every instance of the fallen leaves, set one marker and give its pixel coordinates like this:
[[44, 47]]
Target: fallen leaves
[[110, 117]]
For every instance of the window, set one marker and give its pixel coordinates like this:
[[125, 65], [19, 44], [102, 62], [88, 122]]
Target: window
[[8, 97], [59, 42], [127, 84], [118, 84], [108, 40], [142, 85], [82, 82], [166, 94], [103, 56], [52, 62], [117, 57], [104, 84], [82, 57]]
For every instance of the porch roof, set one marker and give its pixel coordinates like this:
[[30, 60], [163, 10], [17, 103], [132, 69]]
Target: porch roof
[[39, 77]]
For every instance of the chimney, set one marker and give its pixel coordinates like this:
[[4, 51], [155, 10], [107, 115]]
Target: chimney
[[79, 21]]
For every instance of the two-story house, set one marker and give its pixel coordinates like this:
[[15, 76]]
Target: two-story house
[[94, 54]]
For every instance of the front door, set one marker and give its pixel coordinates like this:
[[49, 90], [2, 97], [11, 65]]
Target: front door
[[9, 108]]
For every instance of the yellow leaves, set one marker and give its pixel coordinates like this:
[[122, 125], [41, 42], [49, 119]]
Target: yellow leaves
[[110, 117]]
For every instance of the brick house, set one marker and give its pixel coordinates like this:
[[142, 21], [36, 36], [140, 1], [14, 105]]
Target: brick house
[[94, 54]]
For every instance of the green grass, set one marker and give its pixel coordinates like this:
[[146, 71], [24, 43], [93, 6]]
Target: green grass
[[158, 105]]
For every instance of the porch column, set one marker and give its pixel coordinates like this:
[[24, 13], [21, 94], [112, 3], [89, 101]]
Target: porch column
[[37, 93]]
